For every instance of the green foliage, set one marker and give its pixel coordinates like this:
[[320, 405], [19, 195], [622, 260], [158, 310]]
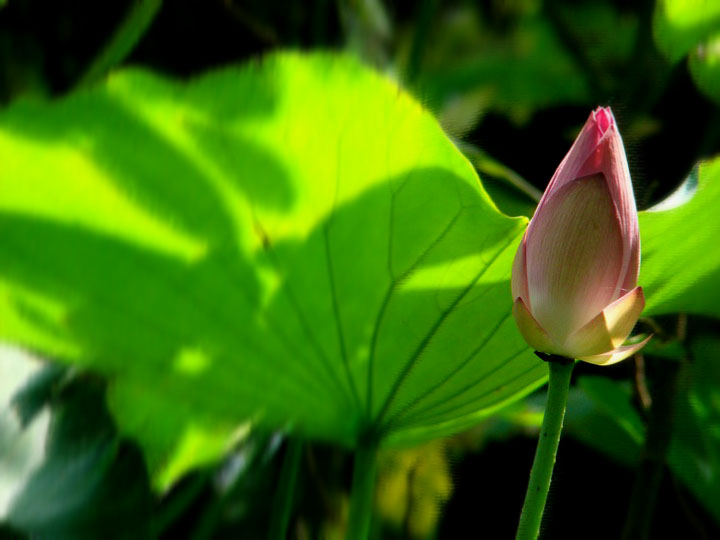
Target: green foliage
[[691, 27], [704, 65], [680, 268], [294, 243], [679, 25], [470, 68], [589, 419], [65, 473], [694, 452]]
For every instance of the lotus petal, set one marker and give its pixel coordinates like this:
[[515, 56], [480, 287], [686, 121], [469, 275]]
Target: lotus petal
[[573, 256], [577, 266]]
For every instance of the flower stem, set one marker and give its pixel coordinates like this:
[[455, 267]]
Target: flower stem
[[362, 497], [541, 473]]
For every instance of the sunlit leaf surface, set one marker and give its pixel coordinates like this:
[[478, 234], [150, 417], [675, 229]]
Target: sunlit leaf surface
[[679, 25], [294, 243], [680, 266]]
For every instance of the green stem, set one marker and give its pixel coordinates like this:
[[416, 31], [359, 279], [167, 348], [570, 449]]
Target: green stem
[[123, 41], [425, 20], [285, 494], [486, 164], [362, 497], [541, 473]]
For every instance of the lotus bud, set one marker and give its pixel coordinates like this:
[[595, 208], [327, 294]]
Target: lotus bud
[[575, 272]]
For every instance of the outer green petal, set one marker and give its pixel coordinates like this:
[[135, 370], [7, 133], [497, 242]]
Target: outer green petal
[[610, 328], [534, 334], [613, 357]]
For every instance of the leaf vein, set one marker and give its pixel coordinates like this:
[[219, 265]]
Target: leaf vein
[[431, 333]]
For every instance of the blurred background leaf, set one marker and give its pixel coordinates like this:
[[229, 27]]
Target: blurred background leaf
[[473, 66], [694, 452], [679, 25], [705, 66], [65, 472]]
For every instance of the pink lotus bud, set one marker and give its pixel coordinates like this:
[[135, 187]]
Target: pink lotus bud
[[574, 275]]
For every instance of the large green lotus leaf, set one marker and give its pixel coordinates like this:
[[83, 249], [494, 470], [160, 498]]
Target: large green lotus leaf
[[680, 268], [679, 25], [293, 243]]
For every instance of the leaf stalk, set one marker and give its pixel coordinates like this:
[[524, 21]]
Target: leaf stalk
[[362, 496]]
